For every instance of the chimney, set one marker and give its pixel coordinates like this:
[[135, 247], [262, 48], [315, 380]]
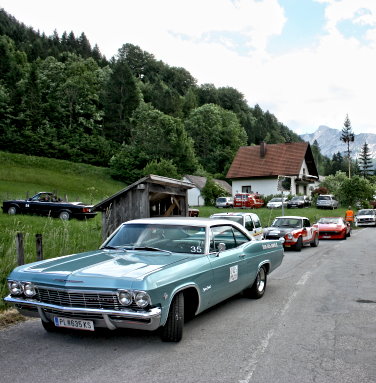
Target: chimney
[[262, 149]]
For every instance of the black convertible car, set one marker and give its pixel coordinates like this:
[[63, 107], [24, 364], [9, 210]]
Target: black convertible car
[[49, 204]]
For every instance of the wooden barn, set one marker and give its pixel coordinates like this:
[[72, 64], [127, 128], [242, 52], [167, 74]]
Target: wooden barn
[[151, 196]]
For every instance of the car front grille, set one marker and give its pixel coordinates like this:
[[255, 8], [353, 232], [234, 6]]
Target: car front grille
[[69, 298], [330, 232]]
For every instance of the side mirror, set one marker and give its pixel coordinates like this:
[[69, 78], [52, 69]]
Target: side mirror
[[221, 247]]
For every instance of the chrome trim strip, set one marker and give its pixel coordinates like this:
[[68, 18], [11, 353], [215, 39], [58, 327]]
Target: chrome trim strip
[[153, 313]]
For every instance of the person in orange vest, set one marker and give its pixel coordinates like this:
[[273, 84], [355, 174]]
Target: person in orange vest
[[349, 216]]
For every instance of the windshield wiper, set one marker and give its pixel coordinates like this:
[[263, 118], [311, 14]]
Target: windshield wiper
[[116, 247], [148, 248]]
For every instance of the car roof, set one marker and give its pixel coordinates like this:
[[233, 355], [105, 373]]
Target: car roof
[[240, 214], [190, 221], [291, 216]]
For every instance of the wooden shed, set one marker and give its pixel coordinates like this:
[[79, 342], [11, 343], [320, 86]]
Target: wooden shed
[[151, 196]]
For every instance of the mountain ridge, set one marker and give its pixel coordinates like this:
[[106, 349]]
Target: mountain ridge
[[330, 143]]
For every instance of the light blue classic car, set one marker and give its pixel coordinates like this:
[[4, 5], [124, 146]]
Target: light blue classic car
[[149, 274]]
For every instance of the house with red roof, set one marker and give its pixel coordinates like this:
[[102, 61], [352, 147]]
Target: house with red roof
[[257, 168]]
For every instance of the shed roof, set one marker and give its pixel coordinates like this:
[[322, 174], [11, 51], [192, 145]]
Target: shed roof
[[272, 160], [200, 182], [151, 178]]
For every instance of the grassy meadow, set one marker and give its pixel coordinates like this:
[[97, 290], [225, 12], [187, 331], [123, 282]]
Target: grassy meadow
[[22, 176]]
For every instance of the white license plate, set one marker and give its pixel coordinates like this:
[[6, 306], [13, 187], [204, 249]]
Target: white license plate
[[326, 236], [78, 324]]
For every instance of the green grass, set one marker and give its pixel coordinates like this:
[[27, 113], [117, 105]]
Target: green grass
[[22, 175]]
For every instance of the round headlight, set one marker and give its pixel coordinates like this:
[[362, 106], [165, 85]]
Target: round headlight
[[29, 289], [289, 236], [125, 297], [15, 287], [142, 299]]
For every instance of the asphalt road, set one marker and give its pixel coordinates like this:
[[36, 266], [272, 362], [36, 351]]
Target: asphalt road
[[315, 323]]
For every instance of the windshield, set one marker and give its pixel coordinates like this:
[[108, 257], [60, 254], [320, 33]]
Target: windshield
[[221, 199], [171, 238], [287, 222], [366, 212], [297, 198], [323, 198], [276, 200], [329, 220]]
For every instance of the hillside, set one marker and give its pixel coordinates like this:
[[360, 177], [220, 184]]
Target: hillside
[[60, 99], [21, 174]]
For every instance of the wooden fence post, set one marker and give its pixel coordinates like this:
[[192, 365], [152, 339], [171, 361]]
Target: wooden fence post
[[20, 249], [39, 246]]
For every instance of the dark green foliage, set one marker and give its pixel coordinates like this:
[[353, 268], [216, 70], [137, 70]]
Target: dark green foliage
[[165, 168], [211, 191], [154, 136], [365, 161], [59, 97], [120, 98], [217, 135], [356, 190]]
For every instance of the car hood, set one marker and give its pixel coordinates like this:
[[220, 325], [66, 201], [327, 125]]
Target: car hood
[[330, 226], [281, 231], [104, 267]]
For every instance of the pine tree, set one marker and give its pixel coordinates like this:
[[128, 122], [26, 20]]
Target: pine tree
[[365, 161], [347, 136]]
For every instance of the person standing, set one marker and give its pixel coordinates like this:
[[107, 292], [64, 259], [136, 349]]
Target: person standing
[[349, 216]]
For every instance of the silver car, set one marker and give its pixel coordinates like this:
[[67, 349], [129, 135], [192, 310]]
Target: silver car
[[326, 201], [224, 202]]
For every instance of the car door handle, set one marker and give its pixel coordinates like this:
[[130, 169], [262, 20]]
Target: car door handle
[[241, 255]]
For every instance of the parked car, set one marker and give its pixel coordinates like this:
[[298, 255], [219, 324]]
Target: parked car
[[276, 203], [326, 201], [333, 228], [248, 200], [250, 221], [296, 231], [46, 203], [299, 201], [365, 217], [224, 202], [149, 273]]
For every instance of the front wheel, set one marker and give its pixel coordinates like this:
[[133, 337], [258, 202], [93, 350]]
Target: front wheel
[[257, 290], [172, 331], [299, 244]]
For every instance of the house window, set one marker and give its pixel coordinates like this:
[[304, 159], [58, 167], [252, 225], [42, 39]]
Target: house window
[[247, 189]]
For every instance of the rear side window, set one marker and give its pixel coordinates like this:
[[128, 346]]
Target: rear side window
[[256, 222]]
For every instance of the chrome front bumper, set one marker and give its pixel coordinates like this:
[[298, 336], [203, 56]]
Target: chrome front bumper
[[111, 319]]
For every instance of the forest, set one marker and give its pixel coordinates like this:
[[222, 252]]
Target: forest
[[61, 98]]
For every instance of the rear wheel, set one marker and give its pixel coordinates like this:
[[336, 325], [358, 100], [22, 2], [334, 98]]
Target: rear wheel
[[172, 331], [12, 210], [257, 290], [315, 241], [299, 244], [64, 215]]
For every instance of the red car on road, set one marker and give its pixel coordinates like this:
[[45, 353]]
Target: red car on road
[[333, 228]]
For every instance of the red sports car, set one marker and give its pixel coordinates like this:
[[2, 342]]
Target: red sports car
[[333, 228]]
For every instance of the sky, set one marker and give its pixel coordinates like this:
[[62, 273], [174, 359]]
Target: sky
[[308, 62]]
